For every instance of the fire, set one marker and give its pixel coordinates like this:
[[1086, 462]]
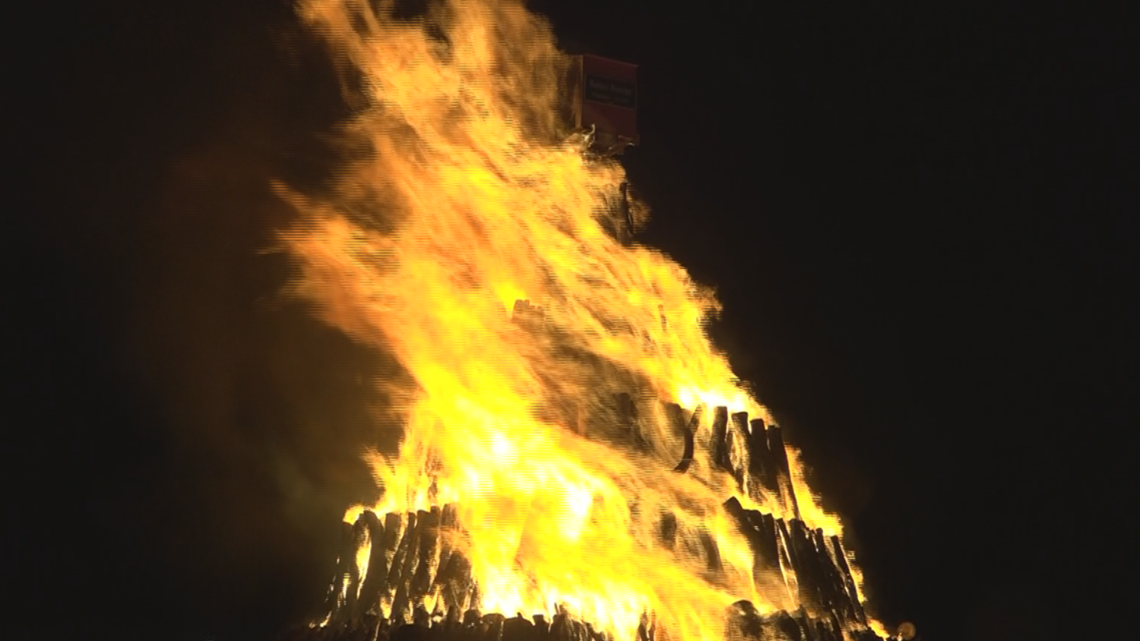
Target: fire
[[466, 198]]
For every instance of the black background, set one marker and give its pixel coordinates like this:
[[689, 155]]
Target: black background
[[917, 216]]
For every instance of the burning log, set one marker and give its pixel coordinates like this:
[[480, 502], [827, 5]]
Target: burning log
[[760, 530], [744, 622], [519, 629], [399, 575], [740, 440], [762, 466], [718, 444], [809, 572], [784, 473], [848, 581], [690, 431], [428, 561], [566, 628], [377, 563]]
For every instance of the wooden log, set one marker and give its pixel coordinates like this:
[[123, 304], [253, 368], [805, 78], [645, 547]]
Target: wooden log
[[396, 567], [766, 526], [401, 573], [360, 540], [334, 600], [718, 442], [806, 624], [740, 440], [453, 620], [762, 466], [690, 432], [519, 629], [836, 627], [788, 627], [409, 632], [807, 567], [492, 627], [751, 524], [377, 563], [542, 627], [428, 562], [566, 628], [837, 591], [848, 580], [822, 565], [822, 631], [780, 454], [645, 629], [786, 550], [401, 605], [744, 622]]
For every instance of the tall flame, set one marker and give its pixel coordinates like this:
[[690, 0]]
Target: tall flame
[[463, 200]]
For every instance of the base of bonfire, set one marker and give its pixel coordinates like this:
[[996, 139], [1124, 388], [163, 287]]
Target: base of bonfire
[[417, 586], [744, 624]]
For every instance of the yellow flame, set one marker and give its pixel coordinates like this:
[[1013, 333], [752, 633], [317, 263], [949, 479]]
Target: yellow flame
[[464, 201]]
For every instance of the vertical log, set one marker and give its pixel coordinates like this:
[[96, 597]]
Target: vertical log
[[836, 626], [744, 622], [848, 580], [718, 442], [402, 551], [823, 631], [360, 539], [377, 565], [690, 431], [448, 525], [334, 603], [788, 627], [807, 625], [769, 547], [787, 552], [455, 582], [837, 591], [427, 564], [780, 455], [808, 569], [761, 465], [740, 438], [542, 627], [492, 626], [399, 574], [519, 629]]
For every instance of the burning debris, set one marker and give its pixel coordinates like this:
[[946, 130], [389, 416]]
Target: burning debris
[[475, 240]]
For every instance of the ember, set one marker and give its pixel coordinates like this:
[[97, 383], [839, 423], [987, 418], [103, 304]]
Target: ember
[[560, 373]]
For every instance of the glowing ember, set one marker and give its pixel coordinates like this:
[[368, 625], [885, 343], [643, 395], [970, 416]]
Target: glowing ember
[[464, 200]]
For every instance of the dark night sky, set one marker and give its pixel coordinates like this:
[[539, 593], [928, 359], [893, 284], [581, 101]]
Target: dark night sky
[[917, 218]]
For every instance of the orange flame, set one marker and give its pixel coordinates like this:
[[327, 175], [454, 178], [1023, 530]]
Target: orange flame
[[464, 202]]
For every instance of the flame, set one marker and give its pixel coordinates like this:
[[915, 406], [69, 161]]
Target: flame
[[463, 201]]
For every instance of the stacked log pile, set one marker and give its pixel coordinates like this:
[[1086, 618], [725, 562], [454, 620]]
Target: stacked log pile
[[413, 562]]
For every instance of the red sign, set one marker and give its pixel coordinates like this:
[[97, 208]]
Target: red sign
[[607, 99]]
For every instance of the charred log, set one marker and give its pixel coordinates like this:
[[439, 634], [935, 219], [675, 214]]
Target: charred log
[[690, 431]]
